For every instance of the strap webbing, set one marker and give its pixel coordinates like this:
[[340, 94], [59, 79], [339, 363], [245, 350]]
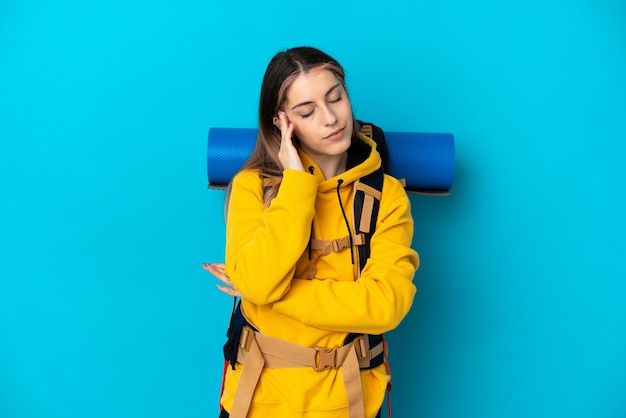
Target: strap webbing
[[336, 245], [247, 382], [352, 383], [367, 196], [257, 351]]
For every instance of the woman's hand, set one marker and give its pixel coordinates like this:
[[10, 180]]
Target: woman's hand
[[217, 269], [288, 154]]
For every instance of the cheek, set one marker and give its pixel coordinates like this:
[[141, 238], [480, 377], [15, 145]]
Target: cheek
[[347, 109], [301, 130]]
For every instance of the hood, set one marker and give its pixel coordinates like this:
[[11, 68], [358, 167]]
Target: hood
[[363, 158]]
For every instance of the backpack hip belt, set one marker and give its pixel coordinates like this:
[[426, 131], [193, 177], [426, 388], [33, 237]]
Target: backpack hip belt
[[257, 351]]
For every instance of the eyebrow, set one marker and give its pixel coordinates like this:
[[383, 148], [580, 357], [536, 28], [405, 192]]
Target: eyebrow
[[330, 90]]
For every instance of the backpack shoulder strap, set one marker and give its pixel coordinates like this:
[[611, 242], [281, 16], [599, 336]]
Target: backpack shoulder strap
[[369, 192], [377, 134], [366, 204]]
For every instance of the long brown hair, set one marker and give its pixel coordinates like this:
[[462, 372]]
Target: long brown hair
[[282, 70]]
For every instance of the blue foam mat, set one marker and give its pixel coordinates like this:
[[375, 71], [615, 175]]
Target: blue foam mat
[[425, 160]]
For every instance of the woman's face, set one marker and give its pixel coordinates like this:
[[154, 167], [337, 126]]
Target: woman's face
[[319, 109]]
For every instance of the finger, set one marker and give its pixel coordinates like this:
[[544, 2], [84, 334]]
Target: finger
[[282, 123], [217, 270], [279, 122], [229, 290], [286, 127], [226, 281], [219, 267], [288, 154], [214, 267]]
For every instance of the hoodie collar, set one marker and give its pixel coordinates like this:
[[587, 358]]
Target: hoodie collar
[[362, 160]]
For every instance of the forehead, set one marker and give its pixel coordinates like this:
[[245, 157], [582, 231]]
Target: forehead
[[311, 85]]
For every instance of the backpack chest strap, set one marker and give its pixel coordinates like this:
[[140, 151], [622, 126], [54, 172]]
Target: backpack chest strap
[[336, 245]]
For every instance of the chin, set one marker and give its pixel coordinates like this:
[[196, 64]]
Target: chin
[[344, 143]]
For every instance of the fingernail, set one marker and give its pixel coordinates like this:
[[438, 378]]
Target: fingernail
[[206, 266]]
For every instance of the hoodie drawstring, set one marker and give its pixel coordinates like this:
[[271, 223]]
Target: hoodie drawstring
[[311, 169], [345, 218]]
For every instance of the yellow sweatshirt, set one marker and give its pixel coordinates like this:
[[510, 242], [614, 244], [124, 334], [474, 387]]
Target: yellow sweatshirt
[[267, 259]]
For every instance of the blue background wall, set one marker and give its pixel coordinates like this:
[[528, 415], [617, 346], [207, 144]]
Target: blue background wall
[[106, 219]]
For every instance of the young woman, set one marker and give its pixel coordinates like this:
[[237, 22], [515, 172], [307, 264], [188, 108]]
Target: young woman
[[307, 341]]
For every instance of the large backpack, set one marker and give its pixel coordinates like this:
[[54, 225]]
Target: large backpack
[[365, 209]]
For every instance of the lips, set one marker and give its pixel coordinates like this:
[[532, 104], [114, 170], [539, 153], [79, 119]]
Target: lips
[[335, 134]]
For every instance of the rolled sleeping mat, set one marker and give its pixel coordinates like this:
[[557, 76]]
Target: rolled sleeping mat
[[424, 160]]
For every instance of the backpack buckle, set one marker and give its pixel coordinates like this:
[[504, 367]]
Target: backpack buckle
[[341, 244], [247, 335], [361, 349], [325, 358]]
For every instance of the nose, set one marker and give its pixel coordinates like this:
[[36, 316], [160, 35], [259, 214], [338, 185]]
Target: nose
[[329, 117]]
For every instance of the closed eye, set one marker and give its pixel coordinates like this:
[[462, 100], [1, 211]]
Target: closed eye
[[306, 115], [335, 100], [331, 101]]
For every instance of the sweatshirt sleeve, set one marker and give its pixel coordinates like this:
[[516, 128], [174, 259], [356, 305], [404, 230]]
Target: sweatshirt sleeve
[[263, 245], [379, 300]]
